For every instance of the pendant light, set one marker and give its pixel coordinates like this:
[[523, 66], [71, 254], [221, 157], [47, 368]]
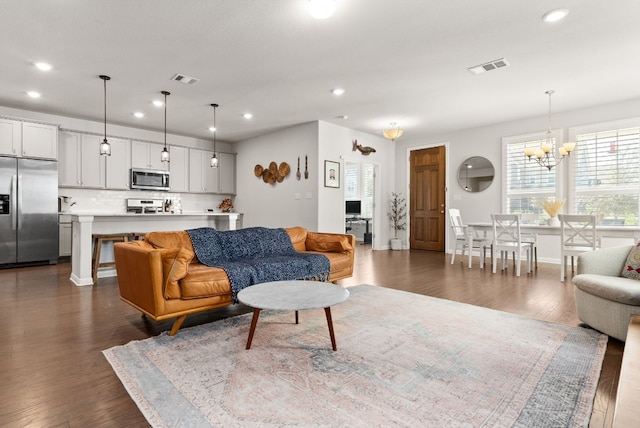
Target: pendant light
[[105, 147], [214, 159], [164, 156]]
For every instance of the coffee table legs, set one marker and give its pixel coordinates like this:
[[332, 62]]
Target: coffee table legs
[[327, 311], [256, 315], [254, 322]]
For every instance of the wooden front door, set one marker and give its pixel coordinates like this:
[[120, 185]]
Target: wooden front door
[[427, 218]]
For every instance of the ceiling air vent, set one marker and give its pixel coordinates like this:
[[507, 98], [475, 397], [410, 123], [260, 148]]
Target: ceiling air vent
[[489, 66], [187, 80]]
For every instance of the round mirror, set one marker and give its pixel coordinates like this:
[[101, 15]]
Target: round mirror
[[475, 174]]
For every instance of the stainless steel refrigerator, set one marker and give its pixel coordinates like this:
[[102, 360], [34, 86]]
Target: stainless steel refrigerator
[[28, 211]]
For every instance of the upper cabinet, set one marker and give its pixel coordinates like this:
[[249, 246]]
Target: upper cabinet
[[227, 173], [80, 163], [27, 139], [10, 137], [202, 178], [179, 169], [147, 156], [118, 164]]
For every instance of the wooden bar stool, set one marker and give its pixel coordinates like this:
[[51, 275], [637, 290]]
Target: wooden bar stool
[[137, 236], [98, 240]]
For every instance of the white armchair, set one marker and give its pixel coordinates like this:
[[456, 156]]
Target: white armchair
[[604, 299]]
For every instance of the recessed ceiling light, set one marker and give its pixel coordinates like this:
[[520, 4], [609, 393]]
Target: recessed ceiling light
[[247, 115], [158, 103], [338, 91], [43, 66], [555, 15], [343, 117], [322, 9], [138, 114], [212, 129], [33, 94]]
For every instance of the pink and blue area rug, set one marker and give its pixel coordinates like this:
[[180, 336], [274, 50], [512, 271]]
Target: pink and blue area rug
[[403, 360]]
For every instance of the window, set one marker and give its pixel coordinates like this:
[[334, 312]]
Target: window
[[359, 185], [526, 183], [604, 174]]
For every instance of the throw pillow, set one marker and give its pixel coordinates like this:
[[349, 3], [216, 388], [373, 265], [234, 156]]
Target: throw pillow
[[175, 265], [632, 266]]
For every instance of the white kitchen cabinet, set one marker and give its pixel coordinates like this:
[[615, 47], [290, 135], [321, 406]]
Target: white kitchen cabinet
[[26, 139], [39, 140], [10, 137], [227, 173], [179, 169], [64, 236], [118, 164], [80, 163], [147, 156], [202, 178]]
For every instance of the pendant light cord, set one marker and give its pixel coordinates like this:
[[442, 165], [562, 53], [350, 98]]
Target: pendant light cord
[[105, 109]]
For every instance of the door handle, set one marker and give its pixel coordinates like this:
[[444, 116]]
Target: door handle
[[19, 213], [14, 204]]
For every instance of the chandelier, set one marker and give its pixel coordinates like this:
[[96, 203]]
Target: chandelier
[[546, 154], [393, 133]]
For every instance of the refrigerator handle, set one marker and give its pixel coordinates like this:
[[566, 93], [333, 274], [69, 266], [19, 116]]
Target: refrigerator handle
[[14, 204], [19, 201]]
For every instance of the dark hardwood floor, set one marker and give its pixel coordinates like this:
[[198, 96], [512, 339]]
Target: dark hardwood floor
[[53, 373]]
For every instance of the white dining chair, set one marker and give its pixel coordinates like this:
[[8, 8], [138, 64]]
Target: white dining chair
[[531, 237], [467, 239], [507, 239], [577, 236]]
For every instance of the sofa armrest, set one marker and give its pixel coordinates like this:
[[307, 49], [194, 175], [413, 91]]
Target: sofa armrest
[[605, 261], [140, 276]]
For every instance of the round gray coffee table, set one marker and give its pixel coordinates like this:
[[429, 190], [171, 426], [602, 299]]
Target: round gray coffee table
[[292, 296]]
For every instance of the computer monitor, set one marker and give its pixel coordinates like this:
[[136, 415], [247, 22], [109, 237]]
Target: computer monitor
[[353, 207]]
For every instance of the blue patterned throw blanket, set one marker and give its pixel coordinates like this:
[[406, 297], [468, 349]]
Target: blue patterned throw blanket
[[255, 255]]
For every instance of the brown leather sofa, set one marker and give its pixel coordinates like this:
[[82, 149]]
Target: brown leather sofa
[[162, 278]]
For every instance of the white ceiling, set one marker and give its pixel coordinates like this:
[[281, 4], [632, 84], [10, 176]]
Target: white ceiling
[[400, 61]]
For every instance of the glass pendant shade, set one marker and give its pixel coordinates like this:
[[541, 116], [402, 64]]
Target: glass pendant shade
[[164, 155], [105, 147], [393, 133], [214, 159]]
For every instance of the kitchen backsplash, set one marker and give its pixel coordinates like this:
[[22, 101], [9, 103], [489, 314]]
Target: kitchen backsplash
[[113, 201]]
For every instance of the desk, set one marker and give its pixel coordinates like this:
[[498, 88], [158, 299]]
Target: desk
[[367, 233]]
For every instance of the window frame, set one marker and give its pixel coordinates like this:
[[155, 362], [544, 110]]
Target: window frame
[[602, 127], [560, 169]]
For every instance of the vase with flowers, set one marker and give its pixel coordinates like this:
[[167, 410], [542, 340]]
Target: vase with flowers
[[553, 207], [226, 205]]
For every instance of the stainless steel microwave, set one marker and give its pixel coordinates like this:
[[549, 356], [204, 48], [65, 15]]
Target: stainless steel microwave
[[149, 179]]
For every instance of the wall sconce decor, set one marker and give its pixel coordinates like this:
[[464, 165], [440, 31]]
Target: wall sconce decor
[[273, 173]]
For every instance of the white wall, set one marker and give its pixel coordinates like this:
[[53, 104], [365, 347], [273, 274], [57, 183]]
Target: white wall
[[335, 144], [290, 203], [487, 141]]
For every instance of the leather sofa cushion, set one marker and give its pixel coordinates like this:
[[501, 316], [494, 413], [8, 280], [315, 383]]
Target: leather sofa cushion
[[204, 281], [175, 264], [324, 242], [298, 237]]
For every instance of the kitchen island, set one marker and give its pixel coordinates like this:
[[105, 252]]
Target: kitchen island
[[85, 225]]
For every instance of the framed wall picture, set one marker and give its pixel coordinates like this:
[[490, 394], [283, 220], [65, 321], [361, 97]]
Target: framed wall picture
[[332, 174]]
